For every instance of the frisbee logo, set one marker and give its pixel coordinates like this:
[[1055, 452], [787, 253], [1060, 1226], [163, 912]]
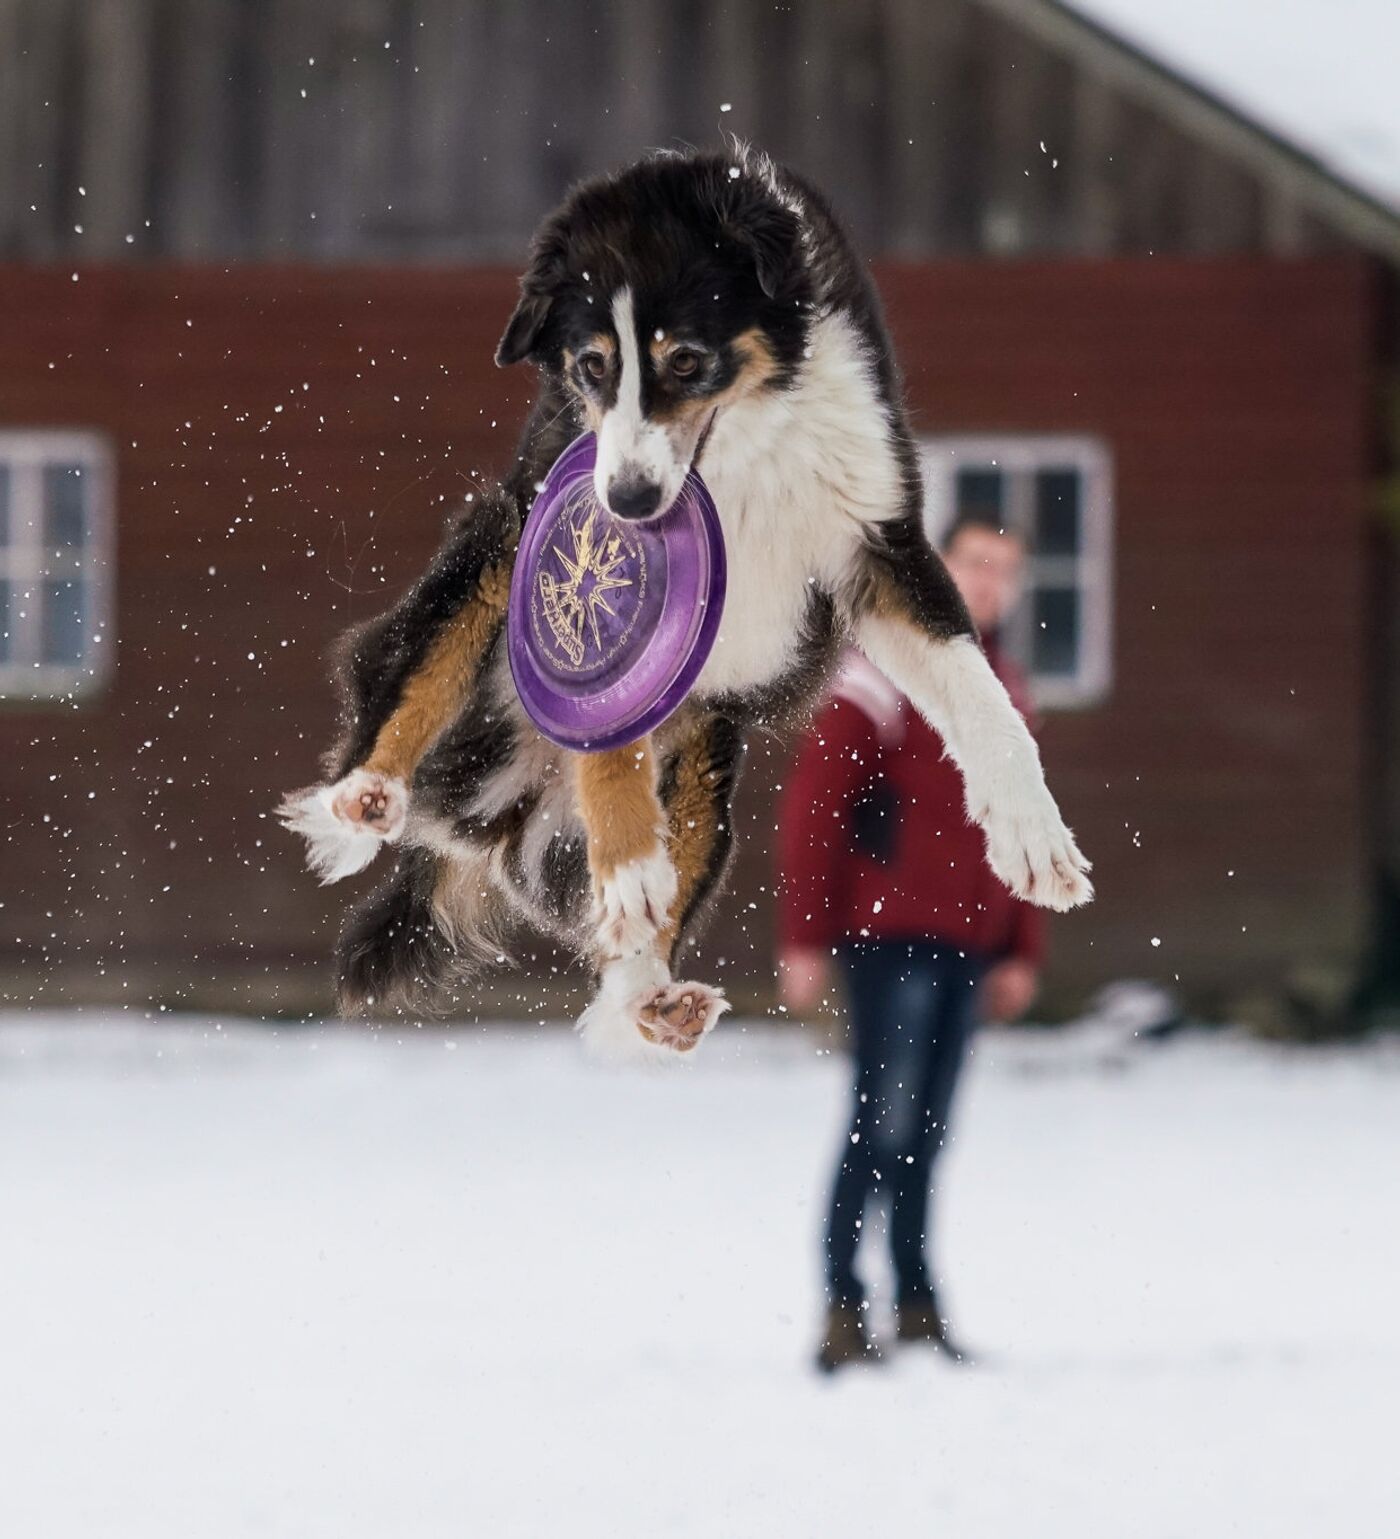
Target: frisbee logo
[[577, 598]]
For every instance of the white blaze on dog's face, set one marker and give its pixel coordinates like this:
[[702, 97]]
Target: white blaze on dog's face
[[660, 300], [642, 459]]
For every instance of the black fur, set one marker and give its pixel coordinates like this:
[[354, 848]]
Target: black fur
[[459, 765], [901, 560], [563, 881], [392, 953]]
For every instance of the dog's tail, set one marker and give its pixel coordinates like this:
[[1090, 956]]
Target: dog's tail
[[418, 937]]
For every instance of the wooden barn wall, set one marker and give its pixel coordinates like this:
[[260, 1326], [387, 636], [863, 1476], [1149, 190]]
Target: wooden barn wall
[[286, 439], [435, 130]]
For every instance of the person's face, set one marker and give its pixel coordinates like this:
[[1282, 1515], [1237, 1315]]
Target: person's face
[[987, 568]]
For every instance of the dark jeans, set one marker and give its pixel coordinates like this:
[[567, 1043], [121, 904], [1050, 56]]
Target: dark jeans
[[912, 1012]]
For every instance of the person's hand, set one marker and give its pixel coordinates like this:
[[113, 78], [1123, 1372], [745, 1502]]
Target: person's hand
[[1009, 990], [804, 976]]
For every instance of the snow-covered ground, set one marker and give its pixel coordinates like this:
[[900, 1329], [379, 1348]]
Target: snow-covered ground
[[319, 1282]]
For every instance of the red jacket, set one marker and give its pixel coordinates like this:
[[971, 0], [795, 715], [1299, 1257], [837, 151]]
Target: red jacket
[[873, 834]]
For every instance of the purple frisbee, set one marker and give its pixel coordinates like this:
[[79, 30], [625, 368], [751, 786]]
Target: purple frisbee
[[611, 619]]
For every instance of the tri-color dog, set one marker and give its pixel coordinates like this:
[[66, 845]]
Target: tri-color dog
[[699, 309]]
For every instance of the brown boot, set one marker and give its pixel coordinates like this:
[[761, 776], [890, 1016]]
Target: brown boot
[[921, 1320], [847, 1340]]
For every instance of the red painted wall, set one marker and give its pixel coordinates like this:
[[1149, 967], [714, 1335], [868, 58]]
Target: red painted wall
[[1236, 398], [295, 430]]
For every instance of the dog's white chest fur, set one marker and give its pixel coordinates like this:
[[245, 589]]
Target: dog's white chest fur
[[795, 476]]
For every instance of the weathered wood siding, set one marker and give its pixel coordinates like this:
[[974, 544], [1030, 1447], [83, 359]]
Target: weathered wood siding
[[440, 130]]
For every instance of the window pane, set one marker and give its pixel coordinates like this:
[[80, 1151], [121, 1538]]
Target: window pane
[[1057, 513], [63, 622], [980, 491], [62, 564], [65, 501], [4, 504], [1055, 631]]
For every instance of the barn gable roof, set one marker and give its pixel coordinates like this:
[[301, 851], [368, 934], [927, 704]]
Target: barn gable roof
[[1292, 92]]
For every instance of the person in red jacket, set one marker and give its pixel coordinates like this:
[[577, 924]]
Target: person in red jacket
[[883, 872]]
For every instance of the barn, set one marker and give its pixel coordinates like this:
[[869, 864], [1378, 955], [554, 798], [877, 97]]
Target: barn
[[254, 258]]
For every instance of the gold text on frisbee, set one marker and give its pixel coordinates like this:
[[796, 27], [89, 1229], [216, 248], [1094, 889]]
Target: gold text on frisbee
[[591, 572]]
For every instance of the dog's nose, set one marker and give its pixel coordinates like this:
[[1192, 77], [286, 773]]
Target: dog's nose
[[633, 499]]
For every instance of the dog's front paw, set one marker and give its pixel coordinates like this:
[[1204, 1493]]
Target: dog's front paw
[[1033, 852], [677, 1015], [633, 903], [346, 824]]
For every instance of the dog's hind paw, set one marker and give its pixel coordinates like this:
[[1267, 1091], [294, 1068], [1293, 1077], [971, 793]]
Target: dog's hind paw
[[345, 825], [374, 801], [677, 1015], [640, 1015]]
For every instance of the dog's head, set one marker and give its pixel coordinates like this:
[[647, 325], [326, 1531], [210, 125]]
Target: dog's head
[[660, 298]]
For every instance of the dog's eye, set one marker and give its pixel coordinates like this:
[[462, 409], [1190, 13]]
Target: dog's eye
[[595, 366], [685, 361]]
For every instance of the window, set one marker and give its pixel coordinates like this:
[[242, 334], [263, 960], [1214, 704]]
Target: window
[[55, 571], [1058, 493]]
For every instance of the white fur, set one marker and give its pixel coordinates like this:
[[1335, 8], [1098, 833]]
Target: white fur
[[335, 848], [796, 475], [465, 903], [535, 769], [952, 684], [338, 846], [610, 1026], [532, 763], [634, 902], [631, 446], [555, 817]]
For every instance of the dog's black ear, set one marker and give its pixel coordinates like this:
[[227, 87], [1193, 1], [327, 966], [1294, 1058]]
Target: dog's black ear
[[538, 288], [774, 244], [771, 234], [524, 327]]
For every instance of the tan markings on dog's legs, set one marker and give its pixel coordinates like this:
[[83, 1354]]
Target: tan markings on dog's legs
[[880, 595], [634, 882], [619, 806], [695, 831], [678, 1016], [434, 695], [637, 1002]]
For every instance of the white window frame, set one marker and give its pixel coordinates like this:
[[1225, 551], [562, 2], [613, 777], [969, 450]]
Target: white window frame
[[24, 560], [1090, 572]]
